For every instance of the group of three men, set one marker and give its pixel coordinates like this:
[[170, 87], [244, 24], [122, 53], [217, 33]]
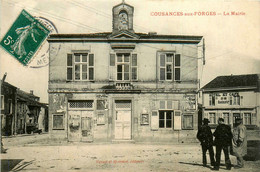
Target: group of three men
[[234, 143]]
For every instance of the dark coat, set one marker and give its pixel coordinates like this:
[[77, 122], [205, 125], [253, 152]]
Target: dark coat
[[205, 135], [223, 135]]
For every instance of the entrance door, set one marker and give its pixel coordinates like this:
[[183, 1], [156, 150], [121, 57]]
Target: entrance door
[[123, 125], [87, 126], [80, 126], [74, 126]]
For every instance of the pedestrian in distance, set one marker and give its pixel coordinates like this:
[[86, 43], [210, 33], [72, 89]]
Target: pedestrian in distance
[[239, 142], [3, 150], [223, 141], [206, 139]]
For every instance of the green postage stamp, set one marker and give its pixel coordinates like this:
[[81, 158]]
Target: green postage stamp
[[24, 37]]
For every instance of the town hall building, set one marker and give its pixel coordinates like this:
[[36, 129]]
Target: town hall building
[[123, 85]]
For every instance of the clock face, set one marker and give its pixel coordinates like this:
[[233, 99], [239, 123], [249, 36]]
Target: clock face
[[123, 21]]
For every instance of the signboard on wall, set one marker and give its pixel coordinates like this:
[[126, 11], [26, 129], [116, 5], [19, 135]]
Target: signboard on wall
[[226, 98], [190, 101]]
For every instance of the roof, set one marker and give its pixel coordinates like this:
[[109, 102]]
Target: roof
[[7, 84], [105, 36], [249, 81], [29, 98]]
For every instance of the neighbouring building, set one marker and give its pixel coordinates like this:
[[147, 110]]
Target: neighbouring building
[[30, 112], [123, 85], [8, 103], [21, 112], [231, 97]]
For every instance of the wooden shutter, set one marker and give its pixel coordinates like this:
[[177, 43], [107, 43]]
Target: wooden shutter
[[112, 67], [169, 104], [253, 119], [176, 105], [154, 120], [177, 120], [91, 66], [69, 67], [134, 75], [177, 67], [162, 69]]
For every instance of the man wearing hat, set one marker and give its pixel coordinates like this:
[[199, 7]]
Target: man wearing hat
[[206, 139], [223, 140], [239, 142]]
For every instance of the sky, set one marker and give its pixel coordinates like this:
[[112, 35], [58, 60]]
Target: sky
[[231, 41]]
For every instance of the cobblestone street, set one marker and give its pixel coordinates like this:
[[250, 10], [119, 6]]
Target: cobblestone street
[[37, 156]]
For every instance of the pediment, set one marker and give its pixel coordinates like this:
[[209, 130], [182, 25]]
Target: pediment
[[123, 35]]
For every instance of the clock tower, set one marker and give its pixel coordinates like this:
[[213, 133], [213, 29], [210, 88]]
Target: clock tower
[[123, 17]]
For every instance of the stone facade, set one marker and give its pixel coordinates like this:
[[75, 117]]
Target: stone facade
[[123, 85]]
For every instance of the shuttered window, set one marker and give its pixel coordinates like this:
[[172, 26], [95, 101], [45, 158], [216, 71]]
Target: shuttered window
[[123, 67], [170, 67], [80, 67]]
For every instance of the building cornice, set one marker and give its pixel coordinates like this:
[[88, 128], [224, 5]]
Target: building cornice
[[229, 89]]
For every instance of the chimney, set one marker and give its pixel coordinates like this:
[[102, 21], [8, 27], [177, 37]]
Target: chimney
[[152, 33], [3, 80], [31, 91]]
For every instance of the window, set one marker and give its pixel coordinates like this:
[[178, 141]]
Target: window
[[187, 122], [247, 118], [10, 106], [226, 118], [145, 119], [2, 103], [123, 67], [165, 119], [212, 99], [81, 104], [212, 118], [236, 100], [170, 67], [80, 67]]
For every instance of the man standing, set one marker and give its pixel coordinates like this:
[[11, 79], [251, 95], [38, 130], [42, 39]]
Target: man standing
[[239, 142], [223, 138], [206, 139]]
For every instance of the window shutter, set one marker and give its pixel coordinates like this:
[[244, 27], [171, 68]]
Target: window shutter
[[91, 67], [177, 70], [169, 104], [253, 119], [154, 120], [112, 59], [162, 104], [112, 67], [177, 120], [69, 67], [134, 67], [162, 67], [176, 105]]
